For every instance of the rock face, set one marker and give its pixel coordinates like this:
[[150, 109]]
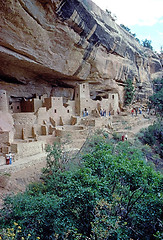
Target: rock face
[[46, 46]]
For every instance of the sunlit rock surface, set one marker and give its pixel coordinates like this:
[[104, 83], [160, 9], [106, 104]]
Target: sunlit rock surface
[[46, 46]]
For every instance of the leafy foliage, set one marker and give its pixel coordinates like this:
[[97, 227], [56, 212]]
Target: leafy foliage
[[129, 30], [161, 49], [156, 100], [129, 92], [126, 28], [157, 84], [153, 136], [147, 43], [112, 194]]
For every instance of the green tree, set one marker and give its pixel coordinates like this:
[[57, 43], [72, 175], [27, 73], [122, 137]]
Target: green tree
[[157, 84], [153, 136], [156, 100], [112, 194], [129, 30], [147, 43], [126, 28], [161, 49], [129, 92]]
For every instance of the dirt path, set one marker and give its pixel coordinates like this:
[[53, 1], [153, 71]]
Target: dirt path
[[132, 125], [14, 178], [137, 129]]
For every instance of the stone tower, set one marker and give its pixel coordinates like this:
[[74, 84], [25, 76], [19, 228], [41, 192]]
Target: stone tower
[[82, 96], [3, 101]]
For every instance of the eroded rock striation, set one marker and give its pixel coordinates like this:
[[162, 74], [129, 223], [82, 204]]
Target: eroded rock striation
[[46, 46], [63, 67]]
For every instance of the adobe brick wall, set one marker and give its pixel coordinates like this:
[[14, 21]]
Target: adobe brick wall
[[27, 149]]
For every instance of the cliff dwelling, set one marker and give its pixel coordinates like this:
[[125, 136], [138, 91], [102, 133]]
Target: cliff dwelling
[[46, 49], [28, 125]]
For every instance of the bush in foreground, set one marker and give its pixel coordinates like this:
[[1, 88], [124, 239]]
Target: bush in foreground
[[153, 136], [112, 194]]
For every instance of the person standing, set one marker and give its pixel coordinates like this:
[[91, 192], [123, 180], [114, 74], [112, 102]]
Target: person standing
[[136, 111], [132, 112], [126, 137], [123, 138]]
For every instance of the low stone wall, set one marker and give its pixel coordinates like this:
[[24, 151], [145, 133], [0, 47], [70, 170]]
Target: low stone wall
[[24, 118], [71, 132], [19, 131], [27, 149], [97, 122], [49, 140]]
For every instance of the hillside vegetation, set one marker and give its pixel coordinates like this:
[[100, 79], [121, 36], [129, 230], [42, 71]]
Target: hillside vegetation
[[108, 193], [156, 100], [153, 135]]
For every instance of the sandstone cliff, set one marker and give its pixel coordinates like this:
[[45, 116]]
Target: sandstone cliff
[[46, 46]]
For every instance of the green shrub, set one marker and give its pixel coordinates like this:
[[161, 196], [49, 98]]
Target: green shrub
[[147, 43], [129, 92], [156, 100], [116, 136], [153, 136], [112, 194]]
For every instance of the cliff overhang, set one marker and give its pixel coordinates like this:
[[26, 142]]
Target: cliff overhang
[[61, 42]]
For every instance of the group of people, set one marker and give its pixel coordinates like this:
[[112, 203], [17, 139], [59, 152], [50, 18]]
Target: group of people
[[85, 112], [9, 158], [103, 112], [136, 110]]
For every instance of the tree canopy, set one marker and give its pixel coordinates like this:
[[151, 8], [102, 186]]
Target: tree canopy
[[129, 92], [147, 43], [129, 30], [111, 194], [156, 100]]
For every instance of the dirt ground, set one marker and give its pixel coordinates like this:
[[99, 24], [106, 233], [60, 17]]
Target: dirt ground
[[15, 179]]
